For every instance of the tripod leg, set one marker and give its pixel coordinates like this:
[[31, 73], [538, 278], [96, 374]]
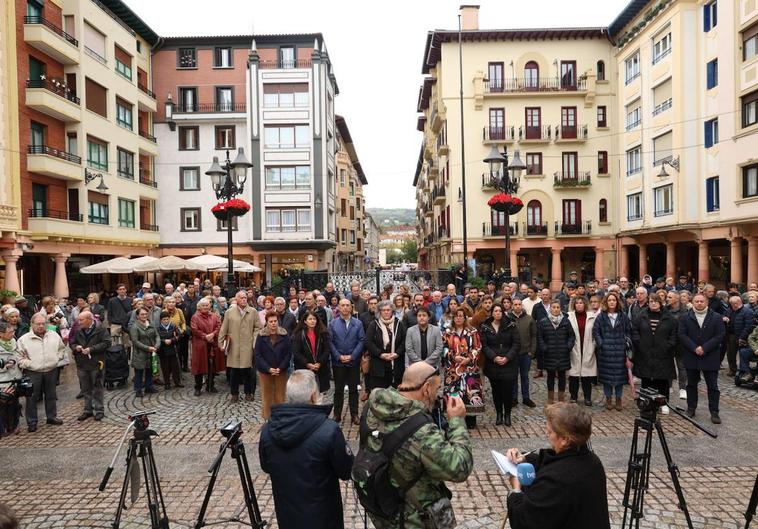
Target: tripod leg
[[750, 512], [631, 474], [674, 471], [214, 475], [122, 498], [160, 506], [149, 490], [247, 486]]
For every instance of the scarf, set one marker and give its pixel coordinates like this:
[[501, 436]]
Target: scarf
[[700, 315], [555, 320], [8, 345], [386, 327]]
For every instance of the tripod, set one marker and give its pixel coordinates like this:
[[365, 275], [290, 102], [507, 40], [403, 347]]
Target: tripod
[[140, 447], [750, 512], [237, 448], [638, 473]]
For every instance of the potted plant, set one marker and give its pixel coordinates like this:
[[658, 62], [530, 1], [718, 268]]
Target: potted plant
[[506, 203]]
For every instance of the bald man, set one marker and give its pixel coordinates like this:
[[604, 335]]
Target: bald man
[[89, 345]]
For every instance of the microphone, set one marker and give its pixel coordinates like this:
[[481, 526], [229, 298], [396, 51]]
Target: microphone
[[526, 474]]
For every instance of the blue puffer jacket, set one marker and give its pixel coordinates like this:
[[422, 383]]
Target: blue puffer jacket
[[610, 350], [741, 322]]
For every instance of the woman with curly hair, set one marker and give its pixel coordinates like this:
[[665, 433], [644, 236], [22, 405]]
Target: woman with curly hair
[[461, 359]]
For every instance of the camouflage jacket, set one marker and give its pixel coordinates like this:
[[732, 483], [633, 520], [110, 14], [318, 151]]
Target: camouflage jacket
[[429, 453]]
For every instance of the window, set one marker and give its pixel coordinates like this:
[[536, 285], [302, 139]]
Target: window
[[352, 236], [190, 219], [125, 163], [534, 163], [139, 46], [750, 109], [189, 179], [294, 177], [285, 95], [94, 43], [750, 43], [634, 206], [534, 213], [289, 220], [632, 67], [304, 220], [351, 190], [602, 162], [96, 97], [662, 97], [124, 114], [568, 122], [188, 138], [39, 200], [602, 210], [97, 154], [531, 75], [663, 200], [342, 177], [187, 99], [497, 124], [221, 225], [572, 212], [224, 99], [37, 69], [287, 57], [633, 115], [33, 8], [225, 137], [286, 137], [37, 134], [98, 208], [661, 47], [495, 71], [533, 123], [568, 75], [569, 165], [633, 161], [711, 132], [186, 58], [602, 117], [710, 15], [750, 181], [600, 70], [123, 63], [125, 213], [222, 58], [712, 199], [712, 74], [662, 148]]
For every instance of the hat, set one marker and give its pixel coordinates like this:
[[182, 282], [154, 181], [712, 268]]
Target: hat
[[571, 284], [660, 280], [19, 299], [573, 273], [682, 277], [145, 285]]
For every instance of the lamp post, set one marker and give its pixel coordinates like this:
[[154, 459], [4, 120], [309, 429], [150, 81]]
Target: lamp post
[[228, 181], [505, 178]]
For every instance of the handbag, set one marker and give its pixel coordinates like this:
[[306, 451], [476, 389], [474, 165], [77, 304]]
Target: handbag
[[365, 362]]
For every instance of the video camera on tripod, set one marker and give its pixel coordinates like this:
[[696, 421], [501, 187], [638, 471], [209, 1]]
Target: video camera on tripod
[[20, 387]]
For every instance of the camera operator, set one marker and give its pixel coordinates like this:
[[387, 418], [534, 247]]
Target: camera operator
[[430, 456], [10, 409], [569, 490]]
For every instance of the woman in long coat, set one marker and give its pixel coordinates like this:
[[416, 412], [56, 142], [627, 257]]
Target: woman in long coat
[[654, 335], [145, 342], [205, 326], [311, 348], [555, 339], [461, 354], [611, 331], [385, 343], [583, 362], [501, 343]]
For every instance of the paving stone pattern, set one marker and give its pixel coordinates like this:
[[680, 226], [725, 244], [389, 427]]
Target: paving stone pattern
[[51, 477]]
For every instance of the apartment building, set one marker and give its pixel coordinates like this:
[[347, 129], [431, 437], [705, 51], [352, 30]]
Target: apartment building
[[688, 100], [85, 129], [351, 236], [547, 93]]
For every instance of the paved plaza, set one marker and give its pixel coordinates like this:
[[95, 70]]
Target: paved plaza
[[51, 477]]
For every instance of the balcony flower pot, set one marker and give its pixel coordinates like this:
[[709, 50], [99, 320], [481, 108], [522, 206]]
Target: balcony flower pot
[[503, 203]]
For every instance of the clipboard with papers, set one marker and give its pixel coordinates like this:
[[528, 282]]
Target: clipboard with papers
[[504, 464]]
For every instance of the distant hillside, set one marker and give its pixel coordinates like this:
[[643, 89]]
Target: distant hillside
[[388, 217]]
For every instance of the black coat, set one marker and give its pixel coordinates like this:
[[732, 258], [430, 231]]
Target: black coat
[[503, 342], [410, 318], [375, 346], [538, 312], [303, 354], [555, 343], [320, 313], [654, 352], [305, 454], [709, 337], [569, 492], [172, 333], [610, 348], [98, 341]]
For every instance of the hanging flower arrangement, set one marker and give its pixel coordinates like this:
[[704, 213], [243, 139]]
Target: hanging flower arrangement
[[505, 203], [232, 208]]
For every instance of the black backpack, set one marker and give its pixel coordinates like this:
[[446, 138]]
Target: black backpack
[[371, 470]]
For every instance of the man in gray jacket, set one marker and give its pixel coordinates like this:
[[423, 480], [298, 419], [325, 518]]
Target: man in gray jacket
[[527, 331], [423, 342]]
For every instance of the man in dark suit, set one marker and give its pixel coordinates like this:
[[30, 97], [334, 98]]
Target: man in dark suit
[[540, 310], [410, 318]]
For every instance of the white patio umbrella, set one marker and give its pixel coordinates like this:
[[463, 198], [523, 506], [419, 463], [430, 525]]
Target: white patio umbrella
[[170, 263], [217, 263], [117, 265]]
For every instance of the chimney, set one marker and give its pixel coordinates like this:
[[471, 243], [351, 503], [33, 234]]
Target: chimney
[[469, 17]]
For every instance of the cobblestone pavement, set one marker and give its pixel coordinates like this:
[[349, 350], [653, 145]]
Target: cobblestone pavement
[[51, 477]]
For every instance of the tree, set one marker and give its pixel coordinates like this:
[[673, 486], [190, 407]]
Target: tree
[[410, 250]]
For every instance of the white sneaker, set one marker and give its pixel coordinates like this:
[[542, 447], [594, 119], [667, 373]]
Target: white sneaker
[[665, 410], [682, 393]]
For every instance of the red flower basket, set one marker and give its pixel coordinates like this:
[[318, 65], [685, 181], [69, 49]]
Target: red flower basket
[[232, 208], [220, 211], [506, 203]]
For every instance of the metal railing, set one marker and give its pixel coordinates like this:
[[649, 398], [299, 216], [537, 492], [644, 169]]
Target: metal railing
[[541, 84], [535, 230], [52, 27], [52, 151], [209, 107], [575, 228], [95, 55], [285, 64], [661, 56], [148, 227], [44, 213], [633, 124], [146, 90], [438, 192], [573, 132], [53, 86], [662, 107], [536, 133], [488, 181], [146, 178], [103, 221], [442, 232], [148, 136], [497, 230], [664, 211], [571, 178], [498, 133]]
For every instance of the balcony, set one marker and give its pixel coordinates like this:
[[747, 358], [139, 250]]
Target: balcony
[[148, 227], [498, 134], [146, 178], [498, 230], [208, 108], [442, 233], [51, 97], [534, 230], [49, 161], [288, 64], [36, 213], [535, 134], [488, 183], [573, 133], [662, 107], [438, 196], [146, 99], [572, 179], [145, 90], [51, 40], [531, 86], [149, 145], [576, 228]]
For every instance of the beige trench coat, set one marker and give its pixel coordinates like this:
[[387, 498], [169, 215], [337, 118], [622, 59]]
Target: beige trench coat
[[242, 330], [583, 363]]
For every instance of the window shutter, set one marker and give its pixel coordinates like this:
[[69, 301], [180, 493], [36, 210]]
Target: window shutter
[[706, 18], [708, 134], [709, 194]]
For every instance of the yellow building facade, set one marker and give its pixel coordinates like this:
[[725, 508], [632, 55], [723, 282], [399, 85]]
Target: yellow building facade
[[350, 206]]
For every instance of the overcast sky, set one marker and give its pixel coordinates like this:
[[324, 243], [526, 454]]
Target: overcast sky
[[376, 49]]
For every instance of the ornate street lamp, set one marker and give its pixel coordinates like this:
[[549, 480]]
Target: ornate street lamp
[[505, 177], [228, 181]]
